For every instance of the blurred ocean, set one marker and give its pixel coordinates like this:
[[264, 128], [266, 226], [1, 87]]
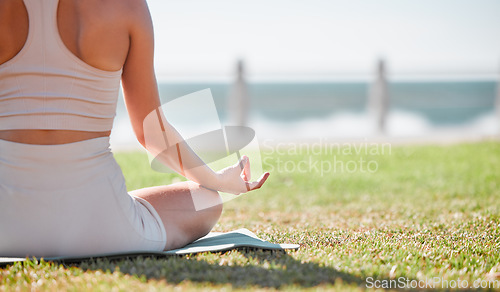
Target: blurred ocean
[[313, 110]]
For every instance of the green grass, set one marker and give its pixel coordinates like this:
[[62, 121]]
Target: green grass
[[427, 211]]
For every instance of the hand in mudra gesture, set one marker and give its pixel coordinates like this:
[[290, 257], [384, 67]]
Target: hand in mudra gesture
[[235, 179]]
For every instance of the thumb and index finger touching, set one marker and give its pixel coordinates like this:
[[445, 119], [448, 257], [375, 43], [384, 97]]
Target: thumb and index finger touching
[[246, 175]]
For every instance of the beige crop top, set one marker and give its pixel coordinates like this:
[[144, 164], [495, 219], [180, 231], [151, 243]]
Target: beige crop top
[[45, 86]]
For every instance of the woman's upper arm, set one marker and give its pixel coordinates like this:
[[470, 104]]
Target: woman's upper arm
[[140, 89]]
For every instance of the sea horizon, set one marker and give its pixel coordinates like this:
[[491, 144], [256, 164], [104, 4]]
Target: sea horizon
[[311, 109]]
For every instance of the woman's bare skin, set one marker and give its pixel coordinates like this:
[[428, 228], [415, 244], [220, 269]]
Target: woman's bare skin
[[97, 32]]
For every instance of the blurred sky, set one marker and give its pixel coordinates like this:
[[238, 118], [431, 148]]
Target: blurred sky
[[326, 37]]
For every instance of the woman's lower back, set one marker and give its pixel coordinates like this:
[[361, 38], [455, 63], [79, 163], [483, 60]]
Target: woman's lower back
[[49, 137]]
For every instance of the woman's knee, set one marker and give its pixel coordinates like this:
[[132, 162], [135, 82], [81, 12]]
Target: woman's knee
[[208, 206], [213, 209], [205, 199]]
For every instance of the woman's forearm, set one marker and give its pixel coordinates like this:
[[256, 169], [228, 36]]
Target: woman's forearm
[[166, 145]]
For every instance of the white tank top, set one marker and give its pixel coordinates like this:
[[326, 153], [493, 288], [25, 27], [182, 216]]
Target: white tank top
[[45, 86]]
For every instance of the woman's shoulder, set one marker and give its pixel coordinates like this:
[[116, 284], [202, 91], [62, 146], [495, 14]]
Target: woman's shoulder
[[128, 10], [135, 12]]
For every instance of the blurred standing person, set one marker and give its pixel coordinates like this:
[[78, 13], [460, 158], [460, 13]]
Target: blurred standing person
[[238, 99], [378, 99]]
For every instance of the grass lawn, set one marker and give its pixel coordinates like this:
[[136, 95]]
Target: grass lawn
[[412, 214]]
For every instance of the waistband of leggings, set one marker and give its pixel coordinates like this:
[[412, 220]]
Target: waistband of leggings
[[70, 151]]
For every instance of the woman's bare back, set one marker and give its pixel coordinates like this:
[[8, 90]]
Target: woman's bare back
[[96, 31]]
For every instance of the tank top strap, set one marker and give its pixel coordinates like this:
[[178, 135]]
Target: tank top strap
[[43, 30]]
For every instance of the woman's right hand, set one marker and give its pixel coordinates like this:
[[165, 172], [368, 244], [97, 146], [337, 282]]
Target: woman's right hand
[[236, 179]]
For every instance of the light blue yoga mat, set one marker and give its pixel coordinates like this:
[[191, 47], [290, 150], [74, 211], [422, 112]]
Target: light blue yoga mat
[[212, 242]]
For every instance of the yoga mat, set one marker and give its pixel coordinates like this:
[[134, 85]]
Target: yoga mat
[[212, 242]]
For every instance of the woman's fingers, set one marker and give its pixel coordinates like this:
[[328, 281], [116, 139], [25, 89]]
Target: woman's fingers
[[246, 170], [257, 184], [239, 166], [243, 168]]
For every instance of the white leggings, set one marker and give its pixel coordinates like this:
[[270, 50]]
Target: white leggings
[[70, 200]]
